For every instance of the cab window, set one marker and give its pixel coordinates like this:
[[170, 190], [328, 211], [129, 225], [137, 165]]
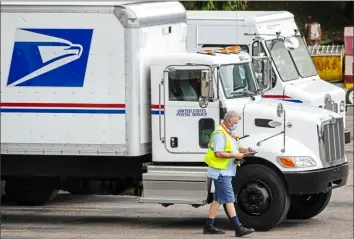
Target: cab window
[[206, 128], [184, 85]]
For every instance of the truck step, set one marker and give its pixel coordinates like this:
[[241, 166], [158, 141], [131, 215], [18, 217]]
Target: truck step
[[175, 185]]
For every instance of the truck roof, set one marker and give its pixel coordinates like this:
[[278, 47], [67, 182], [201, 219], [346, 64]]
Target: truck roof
[[131, 14], [67, 3], [199, 58], [249, 16]]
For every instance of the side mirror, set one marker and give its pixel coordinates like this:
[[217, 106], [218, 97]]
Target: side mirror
[[257, 66], [291, 43], [267, 74], [263, 72], [206, 88], [205, 84]]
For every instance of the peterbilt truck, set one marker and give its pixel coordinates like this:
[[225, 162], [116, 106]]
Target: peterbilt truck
[[294, 77], [101, 97]]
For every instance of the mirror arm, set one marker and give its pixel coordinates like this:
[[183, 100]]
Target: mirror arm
[[211, 81], [261, 141], [284, 130]]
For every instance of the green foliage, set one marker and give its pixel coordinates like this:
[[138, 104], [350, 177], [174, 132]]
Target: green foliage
[[215, 5]]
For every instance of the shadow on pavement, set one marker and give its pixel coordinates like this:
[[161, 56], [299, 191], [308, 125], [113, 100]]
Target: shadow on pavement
[[62, 199], [42, 216], [146, 222]]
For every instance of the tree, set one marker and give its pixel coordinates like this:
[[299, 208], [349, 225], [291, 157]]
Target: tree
[[215, 5]]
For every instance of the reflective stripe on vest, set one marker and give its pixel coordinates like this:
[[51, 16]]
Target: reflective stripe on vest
[[210, 159]]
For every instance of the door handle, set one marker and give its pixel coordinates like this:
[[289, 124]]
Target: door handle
[[160, 116]]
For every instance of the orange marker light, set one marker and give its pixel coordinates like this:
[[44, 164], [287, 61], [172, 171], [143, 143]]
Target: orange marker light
[[288, 162], [234, 49], [222, 50], [207, 51]]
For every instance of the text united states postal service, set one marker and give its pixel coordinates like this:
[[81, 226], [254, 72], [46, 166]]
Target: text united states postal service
[[191, 112]]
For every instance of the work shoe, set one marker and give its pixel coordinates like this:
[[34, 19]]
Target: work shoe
[[242, 231], [210, 229]]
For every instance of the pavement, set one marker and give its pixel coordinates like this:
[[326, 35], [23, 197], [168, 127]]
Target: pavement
[[110, 217]]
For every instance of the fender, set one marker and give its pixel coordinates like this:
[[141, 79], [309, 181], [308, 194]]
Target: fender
[[267, 163]]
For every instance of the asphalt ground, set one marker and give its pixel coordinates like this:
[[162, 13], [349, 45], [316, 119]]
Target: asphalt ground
[[109, 217]]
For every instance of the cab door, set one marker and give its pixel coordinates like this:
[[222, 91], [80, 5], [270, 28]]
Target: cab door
[[188, 126]]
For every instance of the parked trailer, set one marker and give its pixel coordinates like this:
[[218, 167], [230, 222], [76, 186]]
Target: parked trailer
[[295, 77], [98, 97]]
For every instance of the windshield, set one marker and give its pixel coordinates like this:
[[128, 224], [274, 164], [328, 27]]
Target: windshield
[[282, 60], [238, 80], [303, 60]]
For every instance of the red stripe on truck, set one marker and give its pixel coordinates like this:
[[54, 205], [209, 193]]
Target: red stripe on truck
[[157, 107], [66, 105], [277, 96]]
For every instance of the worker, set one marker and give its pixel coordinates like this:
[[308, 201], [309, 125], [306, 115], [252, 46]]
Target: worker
[[221, 158], [314, 34]]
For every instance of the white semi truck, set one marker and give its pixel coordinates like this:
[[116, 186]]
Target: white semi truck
[[100, 97], [294, 78]]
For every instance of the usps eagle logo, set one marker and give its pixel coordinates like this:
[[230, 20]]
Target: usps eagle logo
[[50, 57]]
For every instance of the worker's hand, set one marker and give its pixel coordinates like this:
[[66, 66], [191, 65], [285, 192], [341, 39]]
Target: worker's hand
[[250, 149], [238, 156]]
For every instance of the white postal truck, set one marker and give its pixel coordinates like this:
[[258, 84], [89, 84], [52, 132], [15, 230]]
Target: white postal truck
[[101, 97], [295, 77]]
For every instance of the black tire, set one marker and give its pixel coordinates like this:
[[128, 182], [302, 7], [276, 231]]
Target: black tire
[[2, 189], [349, 97], [264, 180], [77, 187], [307, 206], [29, 194]]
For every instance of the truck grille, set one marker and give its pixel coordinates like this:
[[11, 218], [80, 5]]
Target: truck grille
[[333, 141]]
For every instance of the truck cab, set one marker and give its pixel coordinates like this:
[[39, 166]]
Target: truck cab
[[295, 78], [300, 147]]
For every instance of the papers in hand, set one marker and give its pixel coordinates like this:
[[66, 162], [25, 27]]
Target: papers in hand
[[249, 153]]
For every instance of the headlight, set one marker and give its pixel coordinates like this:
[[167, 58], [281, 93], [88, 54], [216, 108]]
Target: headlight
[[342, 107], [296, 162]]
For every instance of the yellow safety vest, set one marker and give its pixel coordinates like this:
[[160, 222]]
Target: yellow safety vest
[[210, 158]]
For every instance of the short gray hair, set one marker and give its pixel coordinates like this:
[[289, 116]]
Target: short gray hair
[[231, 114]]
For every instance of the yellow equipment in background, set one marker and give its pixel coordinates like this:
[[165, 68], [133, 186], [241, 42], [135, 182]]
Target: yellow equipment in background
[[328, 61]]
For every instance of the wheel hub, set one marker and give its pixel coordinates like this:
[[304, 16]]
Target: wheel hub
[[254, 198]]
